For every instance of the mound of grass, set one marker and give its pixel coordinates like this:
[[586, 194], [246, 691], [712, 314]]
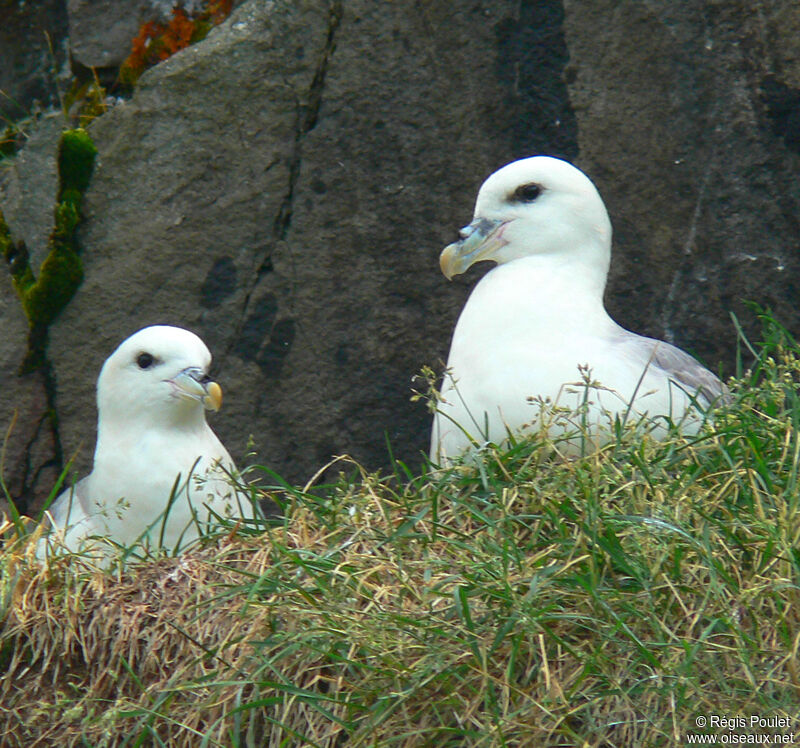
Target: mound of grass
[[521, 599]]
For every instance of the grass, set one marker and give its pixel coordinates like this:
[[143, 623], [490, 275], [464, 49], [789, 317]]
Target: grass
[[519, 600]]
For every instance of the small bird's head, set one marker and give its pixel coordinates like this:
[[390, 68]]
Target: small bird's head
[[159, 374], [535, 206]]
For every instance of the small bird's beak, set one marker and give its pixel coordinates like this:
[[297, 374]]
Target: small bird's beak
[[479, 241], [195, 384]]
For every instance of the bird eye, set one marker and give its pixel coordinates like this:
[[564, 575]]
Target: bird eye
[[144, 360], [526, 193]]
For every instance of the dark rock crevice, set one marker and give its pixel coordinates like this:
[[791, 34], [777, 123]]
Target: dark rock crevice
[[307, 117], [48, 420], [40, 460], [532, 63], [280, 335]]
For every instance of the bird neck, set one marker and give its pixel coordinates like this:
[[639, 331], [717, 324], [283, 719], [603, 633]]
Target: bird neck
[[564, 287], [117, 427]]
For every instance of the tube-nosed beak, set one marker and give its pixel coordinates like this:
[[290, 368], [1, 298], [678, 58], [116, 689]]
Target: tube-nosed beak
[[478, 242], [195, 384]]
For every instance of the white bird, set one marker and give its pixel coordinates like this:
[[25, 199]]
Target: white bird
[[534, 330], [160, 473]]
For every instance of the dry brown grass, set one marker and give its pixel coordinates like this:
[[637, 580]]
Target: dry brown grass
[[89, 647]]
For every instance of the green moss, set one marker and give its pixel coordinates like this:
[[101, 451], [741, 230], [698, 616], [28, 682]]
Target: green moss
[[67, 216], [61, 273], [6, 245], [76, 154], [201, 30], [72, 198]]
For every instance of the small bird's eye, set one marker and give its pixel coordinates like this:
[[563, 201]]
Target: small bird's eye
[[526, 193], [144, 360]]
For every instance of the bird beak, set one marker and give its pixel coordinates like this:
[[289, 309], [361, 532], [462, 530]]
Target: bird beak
[[479, 241], [195, 384]]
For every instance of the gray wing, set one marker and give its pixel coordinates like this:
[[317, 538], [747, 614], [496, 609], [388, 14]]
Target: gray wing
[[678, 365]]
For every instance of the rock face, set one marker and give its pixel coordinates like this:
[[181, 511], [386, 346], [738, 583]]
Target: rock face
[[689, 115], [32, 54], [101, 32], [284, 187]]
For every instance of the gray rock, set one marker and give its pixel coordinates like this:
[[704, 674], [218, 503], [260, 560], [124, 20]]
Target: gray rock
[[679, 127], [29, 441], [284, 188], [29, 182], [32, 54], [101, 33]]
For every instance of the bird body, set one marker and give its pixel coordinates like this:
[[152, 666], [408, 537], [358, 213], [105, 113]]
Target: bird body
[[160, 473], [535, 328]]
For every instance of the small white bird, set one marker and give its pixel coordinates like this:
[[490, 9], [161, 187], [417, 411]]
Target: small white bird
[[159, 472], [535, 329]]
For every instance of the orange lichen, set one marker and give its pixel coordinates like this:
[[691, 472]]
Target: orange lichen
[[157, 41], [178, 34], [219, 10]]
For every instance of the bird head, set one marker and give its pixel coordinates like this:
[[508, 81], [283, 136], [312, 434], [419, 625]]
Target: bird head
[[535, 206], [158, 374]]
